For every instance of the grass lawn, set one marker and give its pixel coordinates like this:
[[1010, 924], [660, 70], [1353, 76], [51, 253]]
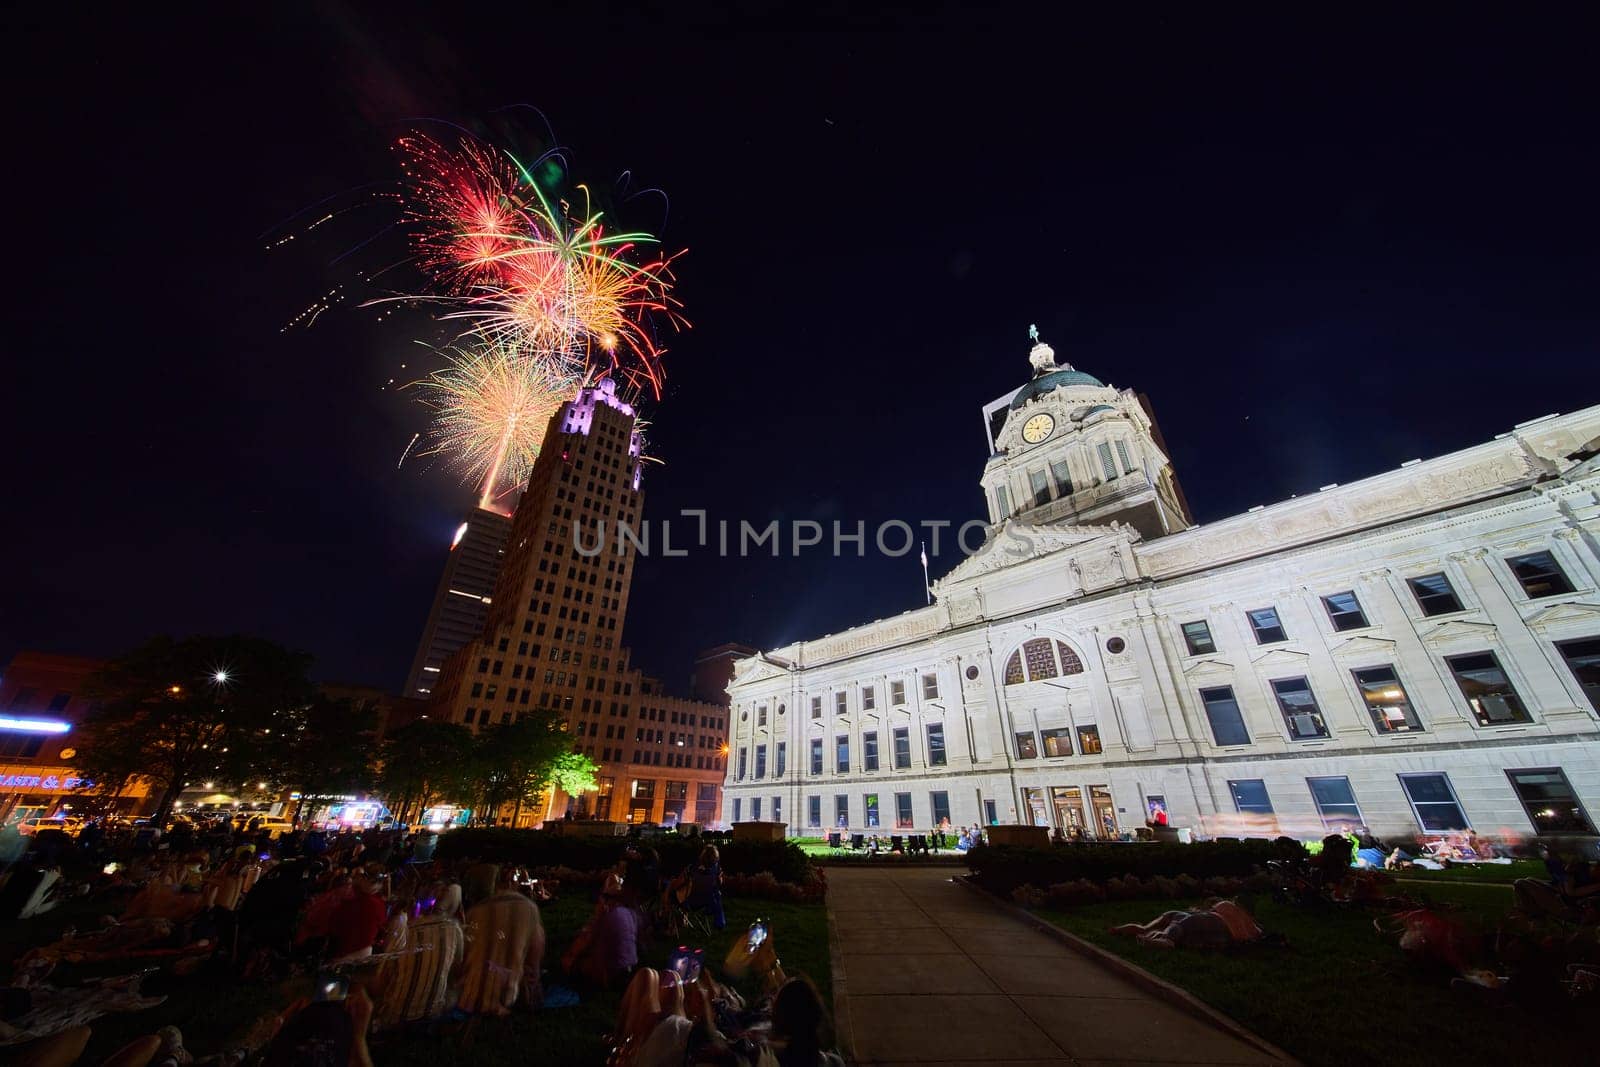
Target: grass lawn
[[1338, 993], [213, 1010], [1478, 872]]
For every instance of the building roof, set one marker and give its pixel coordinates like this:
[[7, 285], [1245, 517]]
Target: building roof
[[1054, 380]]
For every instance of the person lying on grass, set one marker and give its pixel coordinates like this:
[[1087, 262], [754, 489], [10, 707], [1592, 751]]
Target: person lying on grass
[[1215, 924]]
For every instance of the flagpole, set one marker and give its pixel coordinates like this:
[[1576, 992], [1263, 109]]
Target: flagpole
[[927, 587]]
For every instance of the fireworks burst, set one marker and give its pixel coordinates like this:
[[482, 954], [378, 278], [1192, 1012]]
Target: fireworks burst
[[492, 403], [538, 275]]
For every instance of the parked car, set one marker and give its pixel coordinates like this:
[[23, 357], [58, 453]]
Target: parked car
[[67, 824], [276, 825]]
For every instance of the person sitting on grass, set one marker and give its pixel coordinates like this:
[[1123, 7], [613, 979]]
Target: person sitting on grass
[[652, 1029], [1216, 924], [504, 950], [801, 1030], [705, 886]]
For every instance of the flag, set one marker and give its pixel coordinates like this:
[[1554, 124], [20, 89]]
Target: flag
[[924, 555]]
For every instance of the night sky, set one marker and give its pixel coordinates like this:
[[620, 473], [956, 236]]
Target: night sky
[[1321, 248]]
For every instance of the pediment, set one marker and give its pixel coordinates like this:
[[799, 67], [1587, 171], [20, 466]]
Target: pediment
[[755, 670], [1281, 657], [1558, 614], [1203, 668], [1364, 645], [1014, 542], [1460, 629]]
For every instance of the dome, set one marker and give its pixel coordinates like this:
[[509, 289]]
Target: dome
[[1097, 407], [1051, 381]]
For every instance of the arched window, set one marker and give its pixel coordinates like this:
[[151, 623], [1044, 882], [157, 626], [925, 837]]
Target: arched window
[[1039, 659]]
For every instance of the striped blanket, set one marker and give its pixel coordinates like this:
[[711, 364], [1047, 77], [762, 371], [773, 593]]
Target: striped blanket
[[414, 981], [504, 938]]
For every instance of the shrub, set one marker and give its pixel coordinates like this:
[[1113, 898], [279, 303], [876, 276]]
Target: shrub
[[785, 861], [1190, 868]]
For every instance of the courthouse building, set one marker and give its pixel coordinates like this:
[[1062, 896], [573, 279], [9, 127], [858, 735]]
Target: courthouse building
[[1415, 651]]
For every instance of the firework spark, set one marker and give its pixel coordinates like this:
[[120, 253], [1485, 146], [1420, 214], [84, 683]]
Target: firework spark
[[537, 275], [492, 403]]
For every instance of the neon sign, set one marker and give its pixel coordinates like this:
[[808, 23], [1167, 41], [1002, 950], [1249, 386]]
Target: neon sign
[[34, 726], [50, 782]]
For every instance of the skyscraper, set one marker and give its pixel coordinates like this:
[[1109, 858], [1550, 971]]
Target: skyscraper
[[461, 601], [552, 632]]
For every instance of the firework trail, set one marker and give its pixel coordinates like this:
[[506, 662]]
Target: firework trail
[[491, 405]]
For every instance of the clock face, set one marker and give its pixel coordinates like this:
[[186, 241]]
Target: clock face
[[1038, 428]]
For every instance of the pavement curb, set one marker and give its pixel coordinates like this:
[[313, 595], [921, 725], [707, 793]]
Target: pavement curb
[[1176, 995], [843, 1027]]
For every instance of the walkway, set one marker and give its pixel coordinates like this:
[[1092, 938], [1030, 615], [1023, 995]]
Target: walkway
[[927, 971]]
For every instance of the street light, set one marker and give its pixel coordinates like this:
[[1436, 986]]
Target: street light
[[221, 677]]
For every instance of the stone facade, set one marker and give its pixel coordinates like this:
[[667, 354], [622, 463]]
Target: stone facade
[[1409, 652]]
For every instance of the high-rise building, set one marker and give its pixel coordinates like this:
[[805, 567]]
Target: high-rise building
[[552, 632], [461, 601]]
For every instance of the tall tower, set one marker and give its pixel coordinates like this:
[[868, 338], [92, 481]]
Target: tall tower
[[461, 601], [1068, 449], [552, 633]]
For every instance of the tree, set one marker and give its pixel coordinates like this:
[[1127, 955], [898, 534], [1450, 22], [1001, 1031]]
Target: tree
[[174, 712], [517, 762], [426, 761], [574, 773], [333, 750]]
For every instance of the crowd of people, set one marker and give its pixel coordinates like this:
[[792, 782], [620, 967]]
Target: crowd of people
[[377, 935]]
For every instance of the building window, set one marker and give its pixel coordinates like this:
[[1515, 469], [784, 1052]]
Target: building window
[[1089, 740], [936, 754], [1435, 595], [1300, 712], [1002, 502], [816, 707], [1268, 628], [841, 754], [1227, 725], [736, 804], [902, 811], [1014, 675], [840, 704], [1583, 659], [1540, 575], [777, 809], [1027, 745], [1336, 803], [1550, 802], [991, 813], [941, 808], [782, 759], [1063, 477], [1434, 802], [841, 810], [869, 750], [1386, 700], [869, 699], [1122, 454], [1487, 689], [816, 755], [1344, 610], [761, 715], [743, 760], [902, 748], [897, 693], [1250, 797], [813, 811], [870, 804], [1197, 635], [1056, 742], [761, 761], [930, 687], [1039, 482], [1107, 466], [755, 809], [1040, 659]]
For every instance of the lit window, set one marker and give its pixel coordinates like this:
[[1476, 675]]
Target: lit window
[[1344, 610], [1487, 689], [1089, 740], [1434, 802], [1540, 575], [1027, 745], [1386, 700], [1434, 593], [870, 805], [1056, 742], [1267, 626], [1550, 801]]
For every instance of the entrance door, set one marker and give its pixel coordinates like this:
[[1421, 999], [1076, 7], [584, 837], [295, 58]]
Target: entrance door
[[1105, 813], [1068, 803], [1033, 807]]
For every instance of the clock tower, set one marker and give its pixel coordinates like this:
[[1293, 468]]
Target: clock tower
[[1067, 449]]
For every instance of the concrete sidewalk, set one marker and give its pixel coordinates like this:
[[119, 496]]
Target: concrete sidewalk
[[927, 971]]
